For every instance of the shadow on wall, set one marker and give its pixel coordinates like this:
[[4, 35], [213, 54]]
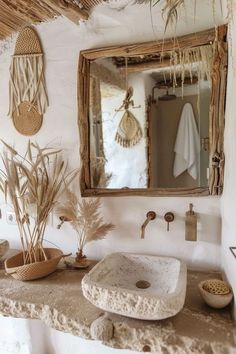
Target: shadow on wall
[[207, 220]]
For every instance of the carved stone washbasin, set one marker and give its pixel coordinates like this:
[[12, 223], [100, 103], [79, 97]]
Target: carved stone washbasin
[[138, 286]]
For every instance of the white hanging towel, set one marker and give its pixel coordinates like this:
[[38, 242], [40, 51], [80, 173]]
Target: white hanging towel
[[187, 144]]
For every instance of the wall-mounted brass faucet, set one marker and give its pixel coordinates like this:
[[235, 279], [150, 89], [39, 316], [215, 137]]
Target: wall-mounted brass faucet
[[169, 217], [151, 215]]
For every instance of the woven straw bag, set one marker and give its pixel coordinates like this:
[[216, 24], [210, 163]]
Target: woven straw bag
[[15, 267]]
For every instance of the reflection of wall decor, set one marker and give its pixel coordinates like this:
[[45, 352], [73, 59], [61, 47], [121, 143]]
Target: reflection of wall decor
[[28, 99], [129, 130]]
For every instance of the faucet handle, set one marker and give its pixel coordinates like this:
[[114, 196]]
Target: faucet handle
[[151, 215], [169, 217]]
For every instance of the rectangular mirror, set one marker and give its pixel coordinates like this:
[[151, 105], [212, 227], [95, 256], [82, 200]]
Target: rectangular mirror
[[151, 117]]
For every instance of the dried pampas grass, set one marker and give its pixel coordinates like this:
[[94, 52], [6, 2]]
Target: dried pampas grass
[[84, 216], [99, 178], [33, 184]]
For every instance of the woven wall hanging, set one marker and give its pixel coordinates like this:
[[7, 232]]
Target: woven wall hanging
[[28, 99], [129, 131]]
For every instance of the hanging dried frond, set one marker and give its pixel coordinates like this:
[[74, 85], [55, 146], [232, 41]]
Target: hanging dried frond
[[172, 7], [190, 62], [171, 11]]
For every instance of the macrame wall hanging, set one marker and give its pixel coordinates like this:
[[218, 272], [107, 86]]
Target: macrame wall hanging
[[129, 131], [28, 99]]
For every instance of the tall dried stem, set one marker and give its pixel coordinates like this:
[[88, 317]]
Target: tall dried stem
[[33, 184]]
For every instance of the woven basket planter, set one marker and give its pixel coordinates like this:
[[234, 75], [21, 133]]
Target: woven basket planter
[[20, 271]]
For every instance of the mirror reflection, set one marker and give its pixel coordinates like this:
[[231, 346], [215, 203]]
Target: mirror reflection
[[149, 121]]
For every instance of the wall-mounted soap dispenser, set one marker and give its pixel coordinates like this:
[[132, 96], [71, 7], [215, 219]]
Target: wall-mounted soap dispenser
[[191, 224]]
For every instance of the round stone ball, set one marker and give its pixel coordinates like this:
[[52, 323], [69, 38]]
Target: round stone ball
[[102, 329]]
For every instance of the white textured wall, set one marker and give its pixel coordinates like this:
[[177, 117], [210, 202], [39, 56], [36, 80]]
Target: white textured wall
[[62, 42], [229, 197]]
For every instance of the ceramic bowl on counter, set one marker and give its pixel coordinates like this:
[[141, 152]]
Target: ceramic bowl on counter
[[216, 293]]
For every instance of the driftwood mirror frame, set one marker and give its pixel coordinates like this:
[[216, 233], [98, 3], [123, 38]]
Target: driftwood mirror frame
[[216, 115]]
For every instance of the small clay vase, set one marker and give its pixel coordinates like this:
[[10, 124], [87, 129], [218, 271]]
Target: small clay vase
[[81, 260], [4, 247]]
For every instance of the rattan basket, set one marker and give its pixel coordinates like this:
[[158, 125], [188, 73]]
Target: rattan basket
[[15, 267]]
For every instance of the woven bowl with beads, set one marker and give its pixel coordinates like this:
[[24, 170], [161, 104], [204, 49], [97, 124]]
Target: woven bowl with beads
[[216, 293]]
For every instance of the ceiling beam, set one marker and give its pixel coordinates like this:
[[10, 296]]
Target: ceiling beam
[[68, 9]]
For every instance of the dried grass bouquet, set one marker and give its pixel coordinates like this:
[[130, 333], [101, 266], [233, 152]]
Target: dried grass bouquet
[[84, 216], [33, 183]]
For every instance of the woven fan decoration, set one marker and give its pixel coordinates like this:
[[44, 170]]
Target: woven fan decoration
[[28, 99], [129, 131]]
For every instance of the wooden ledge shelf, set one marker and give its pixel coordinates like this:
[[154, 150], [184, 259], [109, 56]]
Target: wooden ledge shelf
[[58, 301]]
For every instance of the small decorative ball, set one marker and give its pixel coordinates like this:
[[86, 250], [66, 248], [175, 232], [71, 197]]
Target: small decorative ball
[[216, 286], [102, 329]]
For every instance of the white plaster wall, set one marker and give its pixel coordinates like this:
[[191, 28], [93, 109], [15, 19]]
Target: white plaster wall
[[228, 204], [62, 42]]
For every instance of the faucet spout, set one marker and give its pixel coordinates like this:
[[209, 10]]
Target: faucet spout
[[151, 215]]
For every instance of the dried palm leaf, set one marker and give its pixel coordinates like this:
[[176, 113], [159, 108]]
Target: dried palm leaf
[[171, 9]]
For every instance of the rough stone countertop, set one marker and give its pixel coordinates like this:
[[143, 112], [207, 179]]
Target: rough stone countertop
[[58, 301]]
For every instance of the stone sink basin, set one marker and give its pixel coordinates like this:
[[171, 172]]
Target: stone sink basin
[[137, 286]]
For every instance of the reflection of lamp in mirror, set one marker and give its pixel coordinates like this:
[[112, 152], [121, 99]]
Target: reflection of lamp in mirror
[[165, 97], [168, 84]]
